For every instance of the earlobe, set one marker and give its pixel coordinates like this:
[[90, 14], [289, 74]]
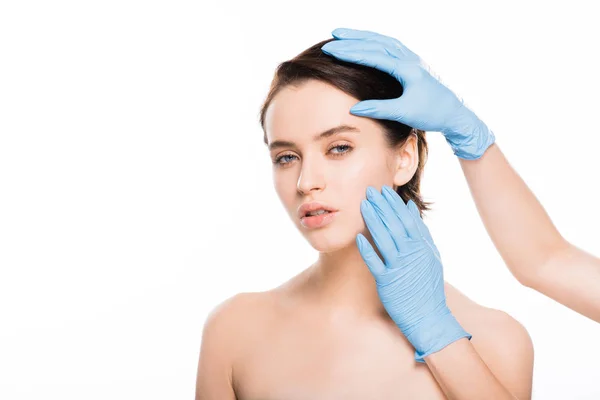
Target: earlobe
[[407, 161], [404, 172], [402, 177]]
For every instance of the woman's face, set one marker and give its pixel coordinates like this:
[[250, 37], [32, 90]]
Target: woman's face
[[333, 169]]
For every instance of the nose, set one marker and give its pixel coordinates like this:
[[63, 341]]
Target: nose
[[311, 177]]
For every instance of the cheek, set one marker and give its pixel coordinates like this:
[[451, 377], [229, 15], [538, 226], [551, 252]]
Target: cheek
[[285, 186], [368, 169], [352, 179]]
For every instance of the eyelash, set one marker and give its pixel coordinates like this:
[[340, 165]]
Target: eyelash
[[346, 146]]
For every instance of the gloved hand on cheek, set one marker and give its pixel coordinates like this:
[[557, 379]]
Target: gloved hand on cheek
[[409, 279]]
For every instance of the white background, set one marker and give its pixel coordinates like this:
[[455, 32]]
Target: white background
[[136, 192]]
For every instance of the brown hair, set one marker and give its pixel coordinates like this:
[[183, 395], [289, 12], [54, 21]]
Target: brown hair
[[362, 83]]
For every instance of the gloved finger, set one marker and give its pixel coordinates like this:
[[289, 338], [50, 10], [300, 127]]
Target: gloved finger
[[347, 33], [413, 208], [369, 256], [388, 217], [370, 46], [382, 238], [401, 70], [422, 226], [401, 211]]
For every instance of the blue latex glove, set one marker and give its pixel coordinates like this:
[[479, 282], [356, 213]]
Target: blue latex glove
[[410, 281], [425, 103]]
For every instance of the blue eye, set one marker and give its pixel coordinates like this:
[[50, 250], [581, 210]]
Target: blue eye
[[343, 149], [278, 159], [341, 146]]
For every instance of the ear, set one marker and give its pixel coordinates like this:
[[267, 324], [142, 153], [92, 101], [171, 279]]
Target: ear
[[407, 160]]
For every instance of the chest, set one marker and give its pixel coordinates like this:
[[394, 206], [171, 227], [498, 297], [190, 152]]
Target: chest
[[353, 363]]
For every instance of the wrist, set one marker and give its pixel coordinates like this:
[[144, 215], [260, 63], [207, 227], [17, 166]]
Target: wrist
[[434, 333], [469, 137]]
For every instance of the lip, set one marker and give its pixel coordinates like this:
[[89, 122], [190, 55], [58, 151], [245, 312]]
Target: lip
[[313, 206], [316, 221]]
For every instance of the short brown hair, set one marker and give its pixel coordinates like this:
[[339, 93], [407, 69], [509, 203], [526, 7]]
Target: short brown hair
[[360, 82]]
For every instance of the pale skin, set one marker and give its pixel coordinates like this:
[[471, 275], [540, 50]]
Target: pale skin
[[324, 334], [531, 246]]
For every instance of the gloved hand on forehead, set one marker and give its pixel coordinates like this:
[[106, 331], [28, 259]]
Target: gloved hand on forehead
[[409, 279], [425, 104]]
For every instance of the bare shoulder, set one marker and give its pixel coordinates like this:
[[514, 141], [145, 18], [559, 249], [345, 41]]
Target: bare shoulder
[[243, 310], [247, 317], [492, 325], [235, 305], [501, 341], [226, 333]]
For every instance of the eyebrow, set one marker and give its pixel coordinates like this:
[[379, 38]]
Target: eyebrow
[[329, 132]]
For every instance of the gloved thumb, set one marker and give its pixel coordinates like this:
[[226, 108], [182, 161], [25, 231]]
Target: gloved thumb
[[381, 109], [369, 255]]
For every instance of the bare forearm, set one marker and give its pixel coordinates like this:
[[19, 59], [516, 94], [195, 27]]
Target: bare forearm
[[517, 223], [462, 374], [531, 246], [572, 277]]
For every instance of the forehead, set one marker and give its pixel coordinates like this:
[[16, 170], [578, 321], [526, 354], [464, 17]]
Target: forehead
[[311, 107]]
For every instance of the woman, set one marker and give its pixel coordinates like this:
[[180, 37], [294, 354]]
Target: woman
[[339, 330]]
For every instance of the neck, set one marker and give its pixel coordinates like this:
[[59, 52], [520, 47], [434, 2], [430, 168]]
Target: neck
[[343, 285]]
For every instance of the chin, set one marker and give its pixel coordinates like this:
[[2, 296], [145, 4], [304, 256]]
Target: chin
[[330, 241], [327, 246]]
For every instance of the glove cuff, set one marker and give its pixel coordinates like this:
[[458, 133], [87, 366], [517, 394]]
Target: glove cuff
[[434, 334], [475, 145], [472, 139]]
